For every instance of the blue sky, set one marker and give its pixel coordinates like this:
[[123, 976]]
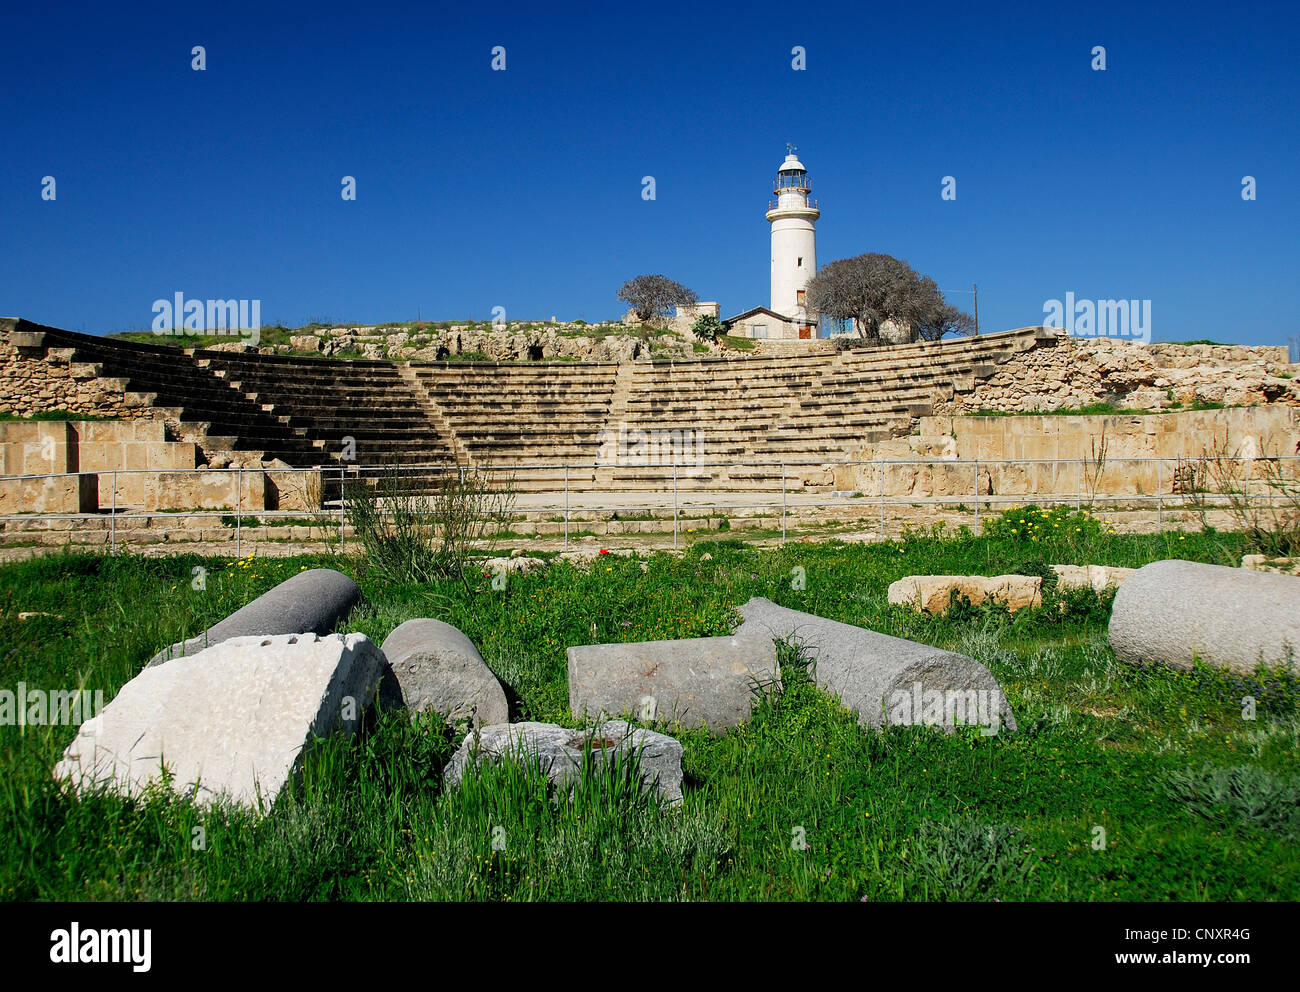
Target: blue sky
[[522, 188]]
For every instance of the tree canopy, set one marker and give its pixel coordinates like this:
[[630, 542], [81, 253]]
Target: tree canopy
[[874, 289], [653, 297]]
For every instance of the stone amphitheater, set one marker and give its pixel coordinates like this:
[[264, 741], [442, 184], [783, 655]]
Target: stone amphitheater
[[165, 425]]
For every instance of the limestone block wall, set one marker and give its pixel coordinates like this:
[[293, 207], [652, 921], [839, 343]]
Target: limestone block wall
[[37, 447], [94, 449], [299, 490], [1078, 372], [1007, 448], [32, 382], [1264, 430], [777, 346], [42, 448], [105, 446], [215, 490]]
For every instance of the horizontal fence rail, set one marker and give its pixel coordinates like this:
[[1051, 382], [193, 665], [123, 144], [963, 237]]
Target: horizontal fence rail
[[1162, 483]]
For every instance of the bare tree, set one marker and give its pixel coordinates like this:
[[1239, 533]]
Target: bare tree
[[874, 289], [946, 319], [653, 297]]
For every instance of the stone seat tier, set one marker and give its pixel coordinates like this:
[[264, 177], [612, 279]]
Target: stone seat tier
[[658, 410], [518, 377], [283, 392], [469, 406], [391, 414], [364, 417], [516, 446], [414, 435], [501, 397]]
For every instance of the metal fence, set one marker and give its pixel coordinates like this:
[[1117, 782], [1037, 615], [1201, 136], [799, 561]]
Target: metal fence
[[566, 489]]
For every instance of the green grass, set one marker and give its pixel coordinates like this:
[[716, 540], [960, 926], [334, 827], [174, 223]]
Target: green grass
[[738, 343], [800, 803], [51, 415], [1098, 410]]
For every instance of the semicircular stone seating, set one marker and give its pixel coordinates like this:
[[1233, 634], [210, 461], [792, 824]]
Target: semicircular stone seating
[[598, 425]]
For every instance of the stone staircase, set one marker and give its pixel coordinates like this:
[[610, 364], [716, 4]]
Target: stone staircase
[[435, 415]]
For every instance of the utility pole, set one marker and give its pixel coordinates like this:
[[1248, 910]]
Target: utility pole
[[977, 308]]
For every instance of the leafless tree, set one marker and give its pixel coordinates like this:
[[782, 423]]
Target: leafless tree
[[946, 319], [654, 297], [874, 289]]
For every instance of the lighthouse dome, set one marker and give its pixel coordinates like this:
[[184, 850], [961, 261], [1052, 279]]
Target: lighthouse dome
[[791, 164]]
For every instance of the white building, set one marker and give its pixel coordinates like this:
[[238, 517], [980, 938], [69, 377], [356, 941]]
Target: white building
[[793, 217]]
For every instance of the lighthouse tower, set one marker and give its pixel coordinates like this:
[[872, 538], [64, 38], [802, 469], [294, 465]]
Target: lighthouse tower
[[794, 240]]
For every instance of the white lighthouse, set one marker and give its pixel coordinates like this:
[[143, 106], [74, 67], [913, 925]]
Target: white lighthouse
[[794, 240]]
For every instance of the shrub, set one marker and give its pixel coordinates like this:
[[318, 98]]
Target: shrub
[[1260, 494], [412, 535], [966, 860], [1243, 793], [707, 327]]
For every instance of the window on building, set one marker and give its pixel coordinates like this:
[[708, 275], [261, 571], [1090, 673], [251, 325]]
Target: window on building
[[758, 330], [800, 262], [799, 296]]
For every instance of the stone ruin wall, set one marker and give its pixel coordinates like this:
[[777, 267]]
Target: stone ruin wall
[[31, 384], [130, 465], [1079, 372], [513, 342], [1063, 456]]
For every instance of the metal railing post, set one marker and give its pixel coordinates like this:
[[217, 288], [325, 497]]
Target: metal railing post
[[1160, 496], [566, 506], [239, 506], [977, 497], [783, 502], [112, 519], [674, 506], [1078, 486], [343, 516], [880, 465]]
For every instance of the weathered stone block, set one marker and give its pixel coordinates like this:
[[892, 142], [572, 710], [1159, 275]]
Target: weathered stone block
[[559, 752], [700, 682], [236, 724], [933, 593], [54, 494], [1098, 578], [1263, 563]]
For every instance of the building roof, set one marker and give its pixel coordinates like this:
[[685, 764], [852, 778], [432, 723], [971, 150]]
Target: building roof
[[758, 310], [791, 164]]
